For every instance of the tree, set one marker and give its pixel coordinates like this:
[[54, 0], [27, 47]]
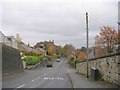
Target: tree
[[18, 39], [84, 49], [68, 50], [107, 39], [81, 56], [58, 51], [77, 52], [50, 47]]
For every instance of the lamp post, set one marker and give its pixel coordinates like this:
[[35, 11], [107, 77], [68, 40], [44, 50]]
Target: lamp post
[[87, 42]]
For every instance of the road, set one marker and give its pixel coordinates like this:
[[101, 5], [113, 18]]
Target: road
[[41, 77], [59, 76]]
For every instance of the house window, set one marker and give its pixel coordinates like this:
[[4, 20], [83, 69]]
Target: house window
[[9, 39]]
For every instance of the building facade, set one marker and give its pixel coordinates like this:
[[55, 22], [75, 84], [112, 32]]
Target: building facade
[[8, 40]]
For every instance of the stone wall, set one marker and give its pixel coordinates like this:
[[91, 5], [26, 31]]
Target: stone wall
[[0, 66], [11, 61], [0, 59], [108, 68]]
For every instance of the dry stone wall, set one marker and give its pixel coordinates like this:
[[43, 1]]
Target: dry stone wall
[[108, 66]]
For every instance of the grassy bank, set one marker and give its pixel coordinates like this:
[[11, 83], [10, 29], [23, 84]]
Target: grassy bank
[[32, 60]]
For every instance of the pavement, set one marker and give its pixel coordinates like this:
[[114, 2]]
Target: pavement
[[81, 81]]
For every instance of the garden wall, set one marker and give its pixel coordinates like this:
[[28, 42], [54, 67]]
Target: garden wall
[[11, 61], [108, 67], [0, 66]]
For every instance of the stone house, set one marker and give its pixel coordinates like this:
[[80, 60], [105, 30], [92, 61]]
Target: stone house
[[8, 40], [3, 38], [41, 51]]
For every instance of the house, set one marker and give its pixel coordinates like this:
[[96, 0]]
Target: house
[[46, 47], [25, 47], [12, 41], [41, 51], [91, 52], [8, 40], [3, 38]]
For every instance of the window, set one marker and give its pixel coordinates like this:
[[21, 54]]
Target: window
[[9, 39]]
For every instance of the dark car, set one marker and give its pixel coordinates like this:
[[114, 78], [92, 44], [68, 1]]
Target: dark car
[[49, 64]]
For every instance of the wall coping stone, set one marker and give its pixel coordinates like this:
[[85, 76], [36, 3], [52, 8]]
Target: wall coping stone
[[110, 55]]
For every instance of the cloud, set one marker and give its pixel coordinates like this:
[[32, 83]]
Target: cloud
[[62, 21]]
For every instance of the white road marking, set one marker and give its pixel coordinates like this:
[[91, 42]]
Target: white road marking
[[36, 79], [46, 78], [21, 86], [57, 78], [52, 78]]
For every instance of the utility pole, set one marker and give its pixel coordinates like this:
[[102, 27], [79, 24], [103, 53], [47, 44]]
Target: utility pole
[[87, 42]]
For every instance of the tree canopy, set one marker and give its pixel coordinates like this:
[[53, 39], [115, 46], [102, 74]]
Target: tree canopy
[[107, 38]]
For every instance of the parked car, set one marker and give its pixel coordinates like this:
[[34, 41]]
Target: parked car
[[49, 64], [58, 60]]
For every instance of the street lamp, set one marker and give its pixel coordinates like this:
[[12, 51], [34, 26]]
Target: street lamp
[[87, 41]]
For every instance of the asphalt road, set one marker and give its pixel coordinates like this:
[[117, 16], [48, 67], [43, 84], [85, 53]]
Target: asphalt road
[[41, 77]]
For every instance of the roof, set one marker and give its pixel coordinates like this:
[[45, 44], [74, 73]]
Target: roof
[[1, 33]]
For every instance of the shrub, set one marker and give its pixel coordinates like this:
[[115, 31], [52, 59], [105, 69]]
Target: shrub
[[54, 57], [71, 58], [78, 61], [41, 57], [32, 60]]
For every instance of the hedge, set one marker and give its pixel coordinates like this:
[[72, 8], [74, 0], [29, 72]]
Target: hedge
[[32, 60]]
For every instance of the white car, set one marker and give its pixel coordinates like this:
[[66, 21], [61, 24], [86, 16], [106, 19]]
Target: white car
[[58, 60]]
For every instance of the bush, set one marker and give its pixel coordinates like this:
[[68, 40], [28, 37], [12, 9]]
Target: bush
[[78, 61], [72, 63], [32, 60], [54, 57], [41, 57], [70, 58]]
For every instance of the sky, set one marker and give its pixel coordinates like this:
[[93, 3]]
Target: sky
[[60, 20]]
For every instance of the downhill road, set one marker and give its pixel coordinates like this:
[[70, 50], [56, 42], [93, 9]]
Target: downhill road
[[58, 76], [41, 77]]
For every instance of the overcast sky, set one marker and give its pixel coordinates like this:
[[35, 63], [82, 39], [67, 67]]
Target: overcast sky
[[60, 20]]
